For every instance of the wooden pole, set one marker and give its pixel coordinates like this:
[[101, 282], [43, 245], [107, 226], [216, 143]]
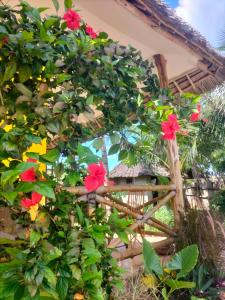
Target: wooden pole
[[176, 178], [173, 151], [144, 218], [137, 251], [137, 215], [81, 190]]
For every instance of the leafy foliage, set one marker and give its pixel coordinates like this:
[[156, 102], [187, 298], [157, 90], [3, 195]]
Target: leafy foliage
[[50, 79], [178, 267]]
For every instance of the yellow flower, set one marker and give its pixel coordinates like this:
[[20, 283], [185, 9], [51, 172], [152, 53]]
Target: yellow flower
[[33, 211], [150, 281], [78, 296]]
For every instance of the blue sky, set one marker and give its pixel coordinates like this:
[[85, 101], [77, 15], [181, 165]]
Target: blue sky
[[172, 3]]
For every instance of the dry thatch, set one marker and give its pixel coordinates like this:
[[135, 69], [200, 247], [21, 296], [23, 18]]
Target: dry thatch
[[124, 171], [210, 70]]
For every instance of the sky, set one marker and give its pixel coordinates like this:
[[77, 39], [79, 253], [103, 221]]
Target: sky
[[207, 16]]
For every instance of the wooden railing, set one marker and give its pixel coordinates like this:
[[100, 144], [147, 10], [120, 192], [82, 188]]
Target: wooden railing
[[141, 218]]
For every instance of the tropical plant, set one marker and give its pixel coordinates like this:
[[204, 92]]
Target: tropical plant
[[168, 277], [53, 72]]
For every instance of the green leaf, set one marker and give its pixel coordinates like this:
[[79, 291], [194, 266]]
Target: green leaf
[[34, 237], [62, 287], [23, 166], [98, 143], [123, 154], [176, 285], [123, 236], [25, 73], [86, 155], [53, 126], [27, 35], [9, 71], [114, 149], [25, 187], [53, 253], [76, 271], [90, 100], [50, 276], [68, 4], [23, 89], [185, 260], [62, 77], [52, 155], [9, 196], [164, 294], [79, 214], [50, 21], [73, 178], [115, 138], [56, 4], [44, 189], [151, 259]]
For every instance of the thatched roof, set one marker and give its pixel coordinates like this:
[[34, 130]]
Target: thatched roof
[[123, 171], [210, 69]]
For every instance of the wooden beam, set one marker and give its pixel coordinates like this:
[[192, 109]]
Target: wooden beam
[[192, 83], [178, 87], [160, 63], [81, 190]]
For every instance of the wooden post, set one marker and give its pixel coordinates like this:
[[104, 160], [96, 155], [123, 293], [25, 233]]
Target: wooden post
[[173, 150], [176, 178]]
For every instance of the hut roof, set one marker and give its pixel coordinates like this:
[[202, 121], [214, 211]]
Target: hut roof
[[209, 70], [123, 171]]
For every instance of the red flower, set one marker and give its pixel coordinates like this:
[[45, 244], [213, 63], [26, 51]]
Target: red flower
[[205, 120], [96, 177], [35, 199], [90, 31], [5, 40], [29, 175], [170, 127], [195, 116], [72, 19]]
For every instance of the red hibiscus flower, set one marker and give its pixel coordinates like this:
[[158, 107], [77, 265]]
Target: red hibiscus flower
[[170, 127], [35, 199], [72, 19], [96, 177], [90, 31], [195, 116], [29, 175], [5, 40]]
